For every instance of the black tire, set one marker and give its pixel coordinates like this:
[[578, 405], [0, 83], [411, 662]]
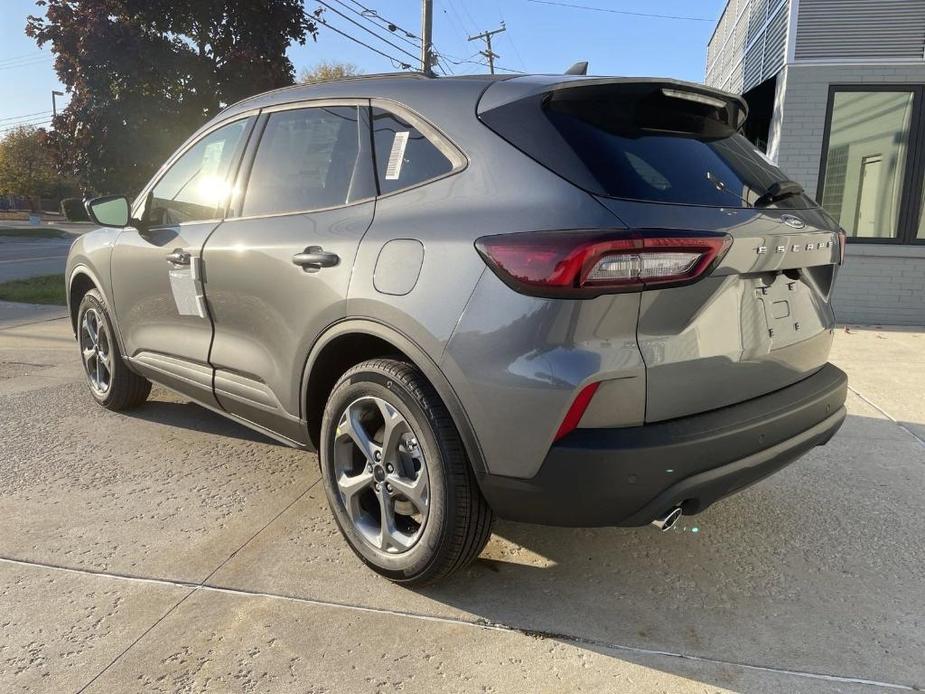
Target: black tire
[[458, 523], [125, 389]]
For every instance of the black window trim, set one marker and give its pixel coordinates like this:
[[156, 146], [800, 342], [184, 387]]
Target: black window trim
[[913, 180], [236, 203], [194, 140], [458, 160]]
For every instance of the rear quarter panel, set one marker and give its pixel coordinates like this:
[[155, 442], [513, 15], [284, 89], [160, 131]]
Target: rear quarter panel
[[513, 361]]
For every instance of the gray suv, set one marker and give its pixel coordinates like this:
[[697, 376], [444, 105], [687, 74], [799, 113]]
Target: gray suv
[[562, 300]]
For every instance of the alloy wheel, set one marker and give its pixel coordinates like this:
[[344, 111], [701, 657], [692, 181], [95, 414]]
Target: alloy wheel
[[381, 475], [96, 350]]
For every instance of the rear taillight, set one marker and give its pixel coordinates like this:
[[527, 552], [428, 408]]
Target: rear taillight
[[842, 244], [578, 264]]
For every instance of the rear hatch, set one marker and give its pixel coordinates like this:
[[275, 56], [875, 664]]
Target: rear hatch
[[664, 155]]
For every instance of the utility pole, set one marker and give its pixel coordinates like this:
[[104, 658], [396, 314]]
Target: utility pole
[[54, 106], [427, 27], [488, 53]]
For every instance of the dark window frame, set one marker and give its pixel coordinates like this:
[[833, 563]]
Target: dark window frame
[[458, 160], [364, 157], [913, 179], [457, 157], [140, 204]]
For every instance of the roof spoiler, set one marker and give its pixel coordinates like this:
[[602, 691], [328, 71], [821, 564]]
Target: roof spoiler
[[579, 68], [500, 94]]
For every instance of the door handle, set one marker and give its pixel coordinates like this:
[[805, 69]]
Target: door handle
[[179, 257], [314, 258]]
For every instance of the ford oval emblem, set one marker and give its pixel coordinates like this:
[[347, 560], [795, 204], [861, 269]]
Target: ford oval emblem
[[792, 221]]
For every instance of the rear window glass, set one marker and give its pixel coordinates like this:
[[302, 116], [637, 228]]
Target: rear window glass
[[634, 142], [404, 156]]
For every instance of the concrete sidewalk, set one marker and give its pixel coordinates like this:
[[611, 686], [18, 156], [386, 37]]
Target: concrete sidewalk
[[172, 550], [13, 314]]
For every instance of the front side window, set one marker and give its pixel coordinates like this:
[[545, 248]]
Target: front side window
[[305, 161], [866, 161], [196, 186], [404, 156]]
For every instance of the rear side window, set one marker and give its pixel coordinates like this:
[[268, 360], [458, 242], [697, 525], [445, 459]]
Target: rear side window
[[404, 156], [305, 161], [635, 142]]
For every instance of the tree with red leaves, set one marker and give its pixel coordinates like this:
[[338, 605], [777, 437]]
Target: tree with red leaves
[[143, 74]]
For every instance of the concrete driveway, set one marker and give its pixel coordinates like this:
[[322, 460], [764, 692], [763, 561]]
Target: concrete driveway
[[171, 550]]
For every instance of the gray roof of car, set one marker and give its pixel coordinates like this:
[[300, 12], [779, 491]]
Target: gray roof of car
[[399, 86], [408, 87]]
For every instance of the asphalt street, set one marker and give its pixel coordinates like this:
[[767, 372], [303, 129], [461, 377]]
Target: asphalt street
[[22, 257], [168, 549]]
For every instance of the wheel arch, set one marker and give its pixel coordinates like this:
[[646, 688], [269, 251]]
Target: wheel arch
[[352, 341], [81, 280]]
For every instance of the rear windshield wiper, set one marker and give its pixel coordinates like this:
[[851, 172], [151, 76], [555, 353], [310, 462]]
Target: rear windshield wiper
[[779, 190]]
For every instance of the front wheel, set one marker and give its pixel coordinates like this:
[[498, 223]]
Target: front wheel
[[111, 383], [396, 475]]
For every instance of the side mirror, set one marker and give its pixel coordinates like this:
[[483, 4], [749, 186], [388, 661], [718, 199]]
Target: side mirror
[[109, 211]]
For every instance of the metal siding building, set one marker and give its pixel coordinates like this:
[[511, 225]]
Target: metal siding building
[[836, 89]]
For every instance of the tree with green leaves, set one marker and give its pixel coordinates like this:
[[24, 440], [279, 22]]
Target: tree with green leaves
[[326, 71], [26, 165], [143, 74]]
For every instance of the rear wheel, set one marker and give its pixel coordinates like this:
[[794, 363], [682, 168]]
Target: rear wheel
[[396, 475], [111, 383]]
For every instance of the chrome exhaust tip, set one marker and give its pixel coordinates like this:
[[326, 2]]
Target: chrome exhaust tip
[[667, 522]]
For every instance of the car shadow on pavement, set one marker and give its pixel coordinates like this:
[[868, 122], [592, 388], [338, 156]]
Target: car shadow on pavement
[[806, 571], [188, 415]]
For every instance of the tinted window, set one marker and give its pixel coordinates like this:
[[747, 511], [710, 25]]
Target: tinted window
[[196, 186], [636, 142], [404, 157], [305, 161]]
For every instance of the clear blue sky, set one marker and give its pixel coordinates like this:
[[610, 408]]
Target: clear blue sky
[[539, 38]]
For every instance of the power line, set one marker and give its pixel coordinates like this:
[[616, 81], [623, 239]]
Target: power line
[[26, 64], [368, 31], [404, 66], [400, 35], [388, 23], [457, 26], [465, 28], [25, 115], [21, 55], [465, 7], [503, 69], [488, 52], [25, 125], [510, 37], [468, 61], [27, 121], [24, 59], [625, 12]]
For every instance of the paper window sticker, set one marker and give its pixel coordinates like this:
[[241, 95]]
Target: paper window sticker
[[211, 158], [396, 156]]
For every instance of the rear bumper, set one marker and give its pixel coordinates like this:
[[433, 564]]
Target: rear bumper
[[630, 476]]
